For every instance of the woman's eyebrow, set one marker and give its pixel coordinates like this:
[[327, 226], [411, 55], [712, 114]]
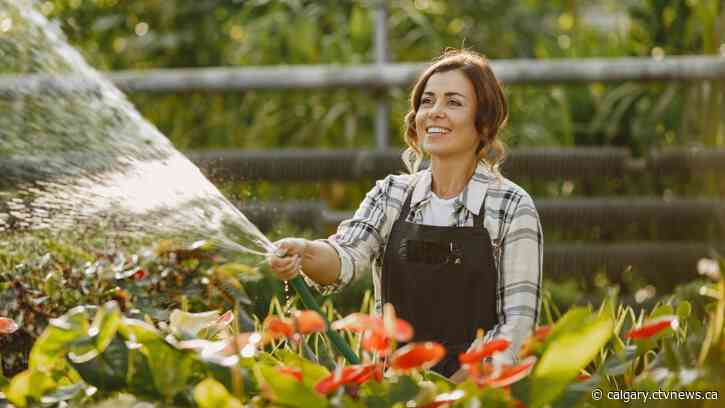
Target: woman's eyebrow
[[446, 94]]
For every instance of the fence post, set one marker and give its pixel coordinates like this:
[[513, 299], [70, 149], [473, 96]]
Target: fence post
[[382, 114]]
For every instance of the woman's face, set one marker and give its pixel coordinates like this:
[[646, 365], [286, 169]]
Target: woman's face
[[445, 121]]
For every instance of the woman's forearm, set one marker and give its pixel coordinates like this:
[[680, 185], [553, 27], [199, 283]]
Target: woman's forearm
[[321, 263]]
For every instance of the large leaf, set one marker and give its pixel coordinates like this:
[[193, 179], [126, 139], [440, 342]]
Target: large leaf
[[138, 375], [311, 373], [210, 394], [107, 371], [398, 390], [50, 348], [28, 386], [285, 389], [105, 324], [170, 368], [569, 352]]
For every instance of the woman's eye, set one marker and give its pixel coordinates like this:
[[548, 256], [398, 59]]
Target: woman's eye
[[454, 102], [426, 101]]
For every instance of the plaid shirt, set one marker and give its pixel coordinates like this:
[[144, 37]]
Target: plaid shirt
[[510, 218]]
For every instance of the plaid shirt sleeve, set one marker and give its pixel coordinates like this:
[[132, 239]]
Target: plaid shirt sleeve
[[361, 239], [520, 268]]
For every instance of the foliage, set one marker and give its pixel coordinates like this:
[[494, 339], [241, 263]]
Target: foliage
[[139, 34], [90, 353]]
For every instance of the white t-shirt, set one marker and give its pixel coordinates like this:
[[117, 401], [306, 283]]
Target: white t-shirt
[[439, 211]]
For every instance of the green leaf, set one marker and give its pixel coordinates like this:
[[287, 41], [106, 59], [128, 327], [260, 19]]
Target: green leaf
[[105, 324], [106, 371], [50, 348], [211, 394], [170, 368], [568, 353], [138, 375], [29, 384], [311, 373], [661, 310], [285, 389], [684, 309], [138, 331], [573, 318]]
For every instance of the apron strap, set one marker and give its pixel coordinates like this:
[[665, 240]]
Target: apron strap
[[478, 218]]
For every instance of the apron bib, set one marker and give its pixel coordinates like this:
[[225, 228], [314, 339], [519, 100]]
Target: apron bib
[[443, 281]]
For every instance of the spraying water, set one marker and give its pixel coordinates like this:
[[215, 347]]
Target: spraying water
[[74, 151]]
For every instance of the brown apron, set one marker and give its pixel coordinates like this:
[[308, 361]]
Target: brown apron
[[443, 281]]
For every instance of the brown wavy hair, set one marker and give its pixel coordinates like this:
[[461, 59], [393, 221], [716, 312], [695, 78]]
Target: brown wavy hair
[[491, 111]]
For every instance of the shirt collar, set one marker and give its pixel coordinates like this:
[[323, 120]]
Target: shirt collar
[[471, 196]]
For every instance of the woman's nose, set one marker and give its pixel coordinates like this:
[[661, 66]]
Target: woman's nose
[[437, 111]]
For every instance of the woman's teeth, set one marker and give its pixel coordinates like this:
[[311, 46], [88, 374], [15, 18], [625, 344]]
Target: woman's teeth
[[437, 130]]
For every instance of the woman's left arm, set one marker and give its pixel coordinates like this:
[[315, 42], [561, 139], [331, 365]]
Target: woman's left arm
[[519, 285]]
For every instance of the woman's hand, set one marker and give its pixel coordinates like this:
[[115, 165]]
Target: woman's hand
[[462, 373], [288, 267]]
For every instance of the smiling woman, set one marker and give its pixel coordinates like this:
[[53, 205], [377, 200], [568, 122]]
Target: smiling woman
[[455, 247]]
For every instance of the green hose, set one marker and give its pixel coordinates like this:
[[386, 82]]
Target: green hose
[[340, 344]]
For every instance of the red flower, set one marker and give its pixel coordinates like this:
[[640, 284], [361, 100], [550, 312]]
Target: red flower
[[417, 355], [483, 350], [309, 321], [377, 331], [508, 374], [653, 327], [293, 372], [7, 326], [583, 377], [355, 374], [275, 327], [357, 322], [140, 274], [541, 332]]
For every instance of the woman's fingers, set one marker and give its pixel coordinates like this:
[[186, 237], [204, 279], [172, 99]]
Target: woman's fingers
[[285, 268]]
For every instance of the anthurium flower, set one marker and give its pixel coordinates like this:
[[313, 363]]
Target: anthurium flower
[[275, 327], [583, 377], [355, 374], [417, 355], [483, 350], [508, 374], [653, 327], [401, 330], [375, 342], [7, 326], [309, 321]]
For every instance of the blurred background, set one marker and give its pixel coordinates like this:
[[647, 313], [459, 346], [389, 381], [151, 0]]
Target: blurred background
[[627, 171]]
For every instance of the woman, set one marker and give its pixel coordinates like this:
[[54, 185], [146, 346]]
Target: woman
[[454, 247]]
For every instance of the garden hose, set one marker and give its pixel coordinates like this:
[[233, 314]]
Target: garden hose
[[340, 344], [298, 283]]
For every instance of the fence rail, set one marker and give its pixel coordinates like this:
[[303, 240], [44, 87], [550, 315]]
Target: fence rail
[[348, 164], [381, 75]]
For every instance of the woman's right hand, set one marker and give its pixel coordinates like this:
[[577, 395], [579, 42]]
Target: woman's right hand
[[287, 267]]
